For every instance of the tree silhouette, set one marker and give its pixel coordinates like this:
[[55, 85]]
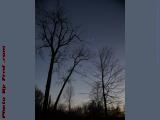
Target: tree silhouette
[[77, 57], [96, 92], [39, 97], [69, 94], [56, 33], [110, 75]]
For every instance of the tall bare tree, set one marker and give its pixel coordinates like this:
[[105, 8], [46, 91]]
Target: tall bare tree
[[110, 76], [56, 33], [77, 57]]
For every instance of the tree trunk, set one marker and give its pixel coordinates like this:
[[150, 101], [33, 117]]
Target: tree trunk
[[59, 95], [47, 89], [104, 97]]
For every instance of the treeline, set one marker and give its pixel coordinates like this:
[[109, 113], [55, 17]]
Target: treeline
[[89, 111]]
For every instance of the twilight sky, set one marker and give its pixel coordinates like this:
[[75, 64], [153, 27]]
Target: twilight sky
[[102, 23]]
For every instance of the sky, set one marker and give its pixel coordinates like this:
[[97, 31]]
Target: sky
[[102, 23]]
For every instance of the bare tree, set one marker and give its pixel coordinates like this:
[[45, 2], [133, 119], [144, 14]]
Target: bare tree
[[77, 57], [110, 75], [96, 91], [39, 97], [56, 35], [69, 95]]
